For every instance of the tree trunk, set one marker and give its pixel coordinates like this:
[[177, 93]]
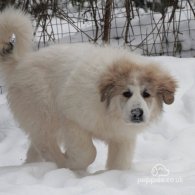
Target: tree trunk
[[107, 21]]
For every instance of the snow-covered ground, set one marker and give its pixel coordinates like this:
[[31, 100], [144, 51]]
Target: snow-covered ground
[[164, 160]]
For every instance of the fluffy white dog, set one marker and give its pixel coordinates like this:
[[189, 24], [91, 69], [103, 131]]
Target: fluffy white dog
[[69, 94]]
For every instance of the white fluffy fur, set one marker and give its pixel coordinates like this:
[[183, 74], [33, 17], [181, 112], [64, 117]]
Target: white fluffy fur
[[54, 95], [14, 21]]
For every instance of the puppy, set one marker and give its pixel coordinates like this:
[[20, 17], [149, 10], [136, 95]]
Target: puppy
[[69, 94]]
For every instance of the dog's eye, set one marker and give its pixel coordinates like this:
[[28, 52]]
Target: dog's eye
[[127, 94], [146, 94]]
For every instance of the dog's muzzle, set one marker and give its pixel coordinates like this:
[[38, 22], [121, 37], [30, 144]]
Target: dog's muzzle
[[137, 115]]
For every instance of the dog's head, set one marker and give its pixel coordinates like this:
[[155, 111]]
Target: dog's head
[[135, 92]]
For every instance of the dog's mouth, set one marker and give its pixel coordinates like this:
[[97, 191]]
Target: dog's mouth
[[137, 120]]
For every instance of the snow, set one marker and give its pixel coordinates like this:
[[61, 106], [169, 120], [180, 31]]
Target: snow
[[169, 143]]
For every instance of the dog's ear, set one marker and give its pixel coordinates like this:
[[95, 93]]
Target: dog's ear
[[106, 91], [114, 79], [166, 88]]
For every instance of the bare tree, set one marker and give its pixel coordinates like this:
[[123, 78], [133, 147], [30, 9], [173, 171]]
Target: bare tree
[[107, 21]]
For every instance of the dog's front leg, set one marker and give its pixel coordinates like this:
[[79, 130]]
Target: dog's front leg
[[80, 150], [120, 154]]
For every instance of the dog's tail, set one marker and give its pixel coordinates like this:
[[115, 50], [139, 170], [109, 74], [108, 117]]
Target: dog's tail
[[17, 23]]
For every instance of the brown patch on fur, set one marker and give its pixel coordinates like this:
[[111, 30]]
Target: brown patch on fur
[[120, 74], [115, 80], [164, 84]]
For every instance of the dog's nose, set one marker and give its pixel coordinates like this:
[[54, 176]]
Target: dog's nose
[[137, 115]]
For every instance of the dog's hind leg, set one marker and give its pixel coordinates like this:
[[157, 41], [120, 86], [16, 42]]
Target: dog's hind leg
[[46, 151], [44, 143], [33, 155]]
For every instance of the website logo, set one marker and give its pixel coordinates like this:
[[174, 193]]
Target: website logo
[[159, 174]]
